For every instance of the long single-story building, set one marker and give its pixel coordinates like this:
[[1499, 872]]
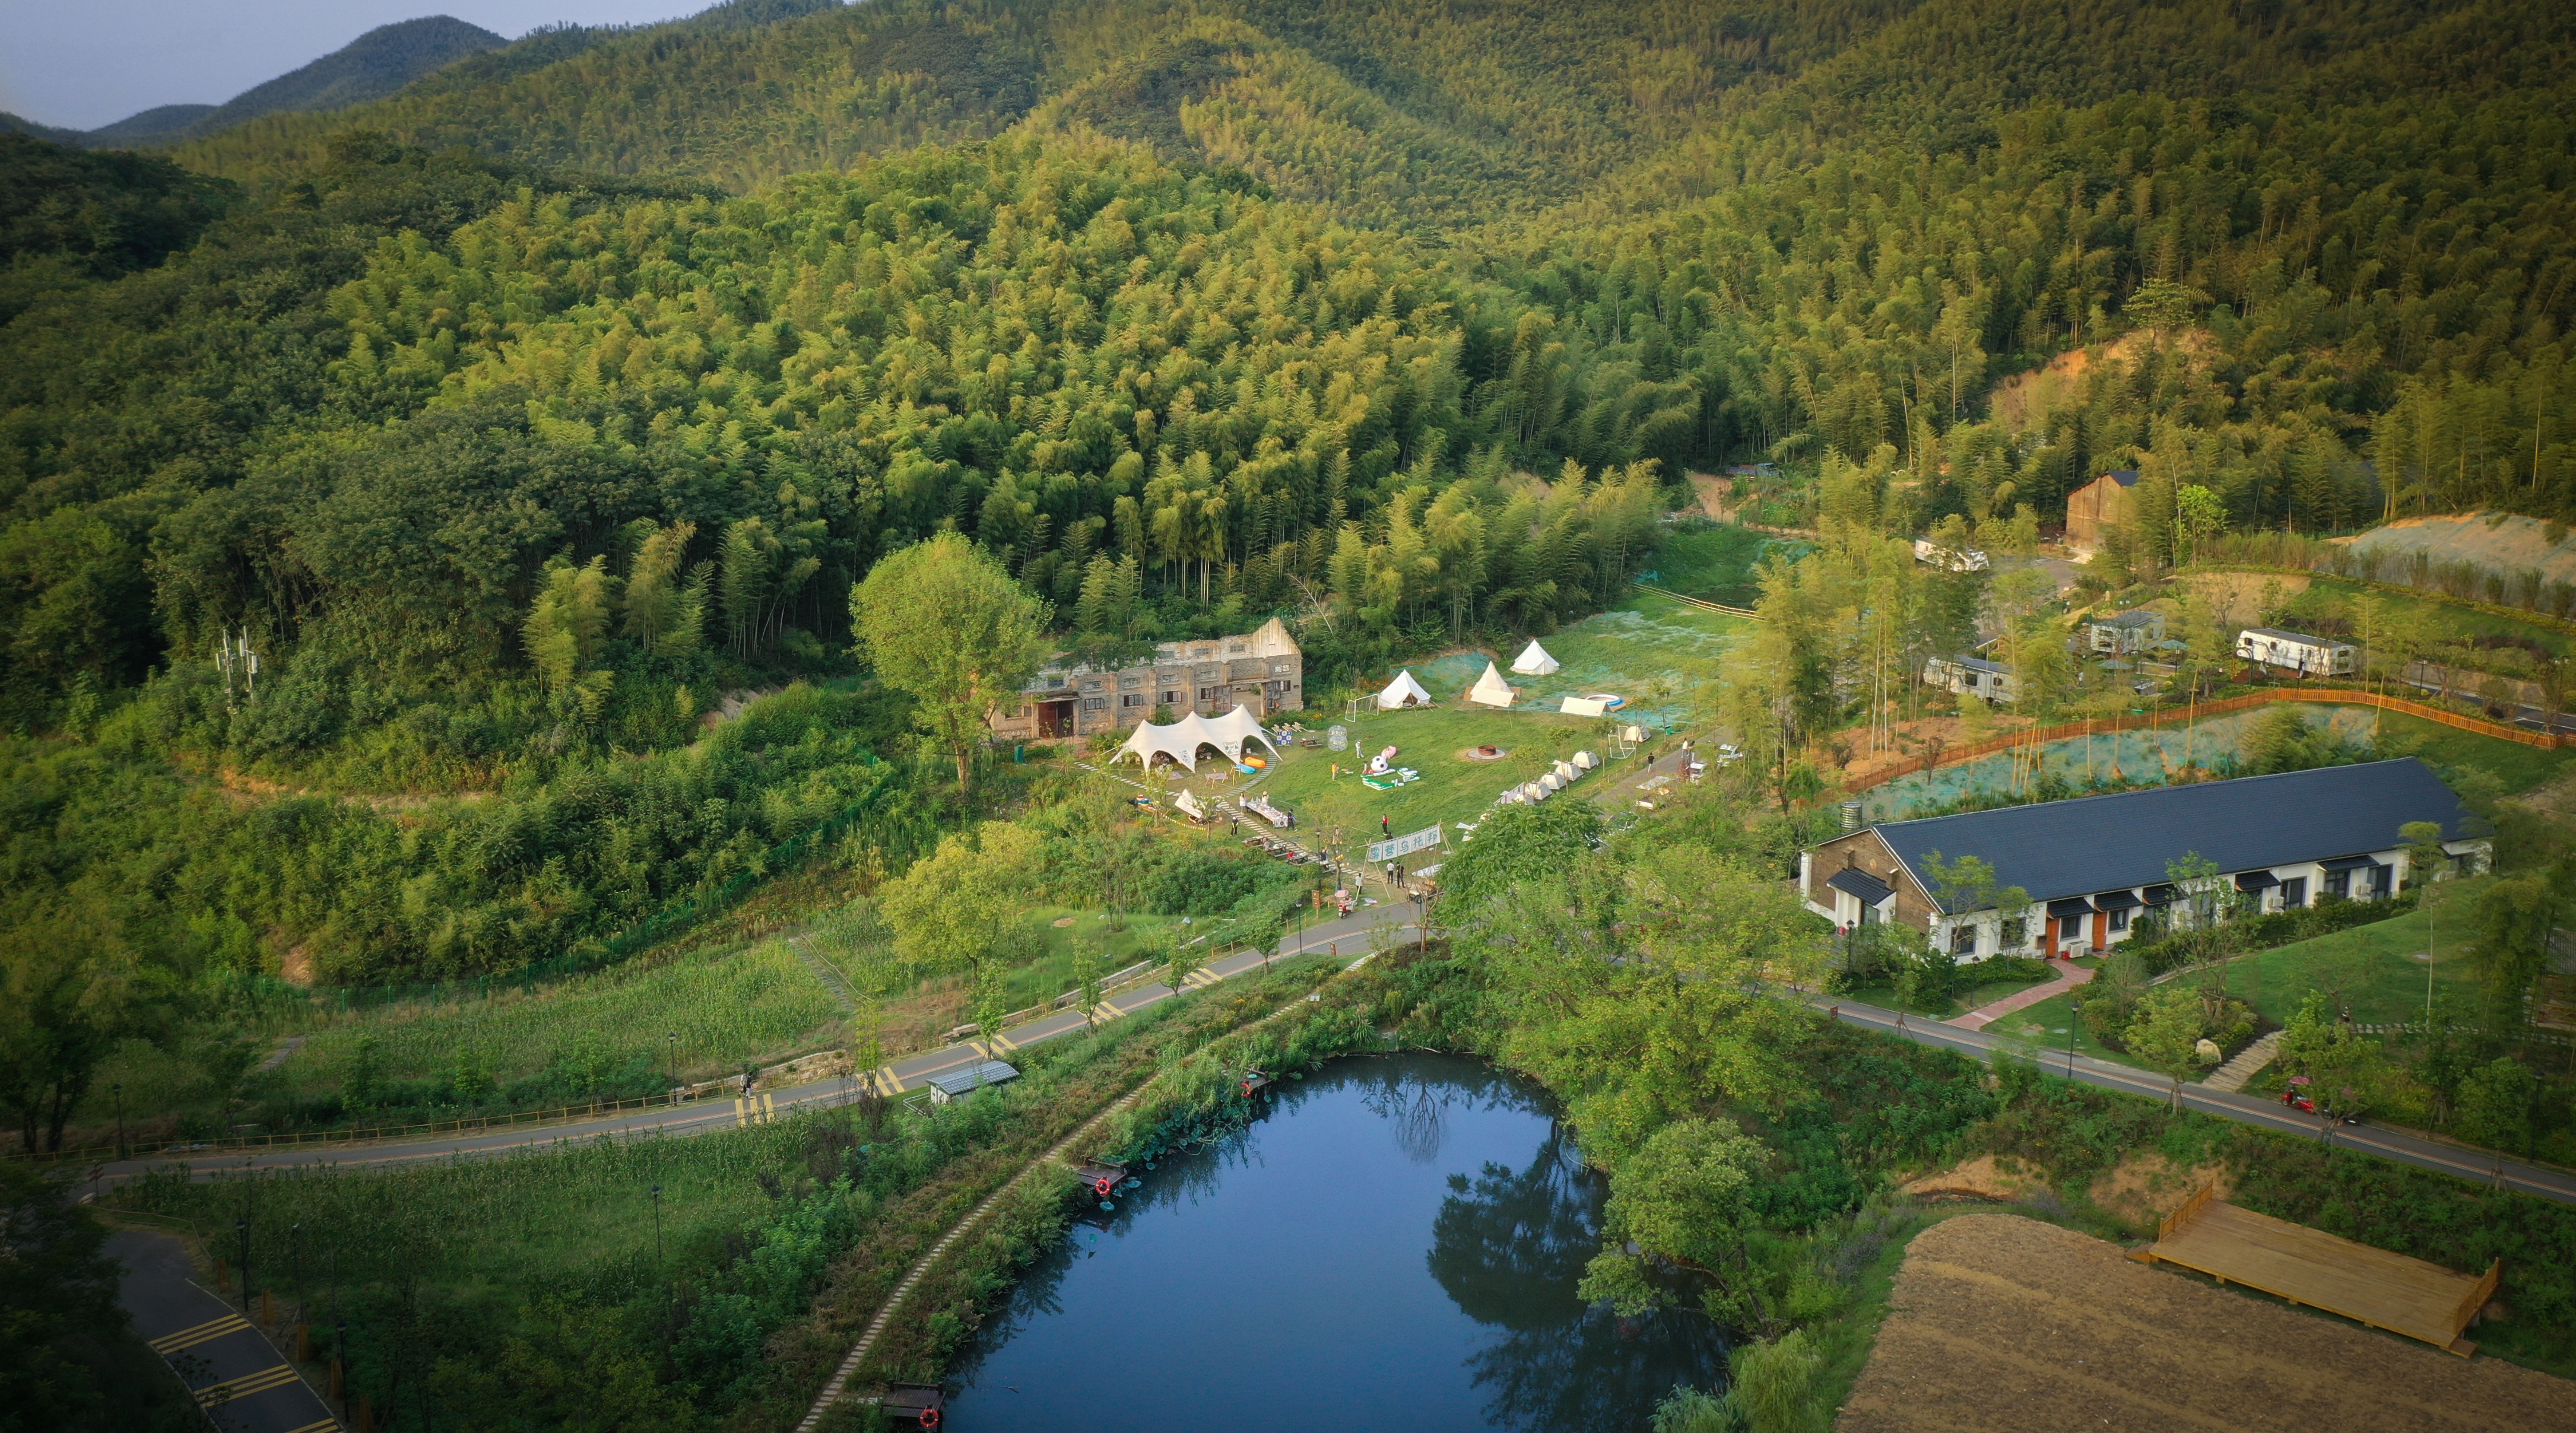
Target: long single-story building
[[2091, 865]]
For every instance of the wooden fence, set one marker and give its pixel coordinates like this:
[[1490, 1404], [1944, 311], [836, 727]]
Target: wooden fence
[[2190, 1208], [2104, 726]]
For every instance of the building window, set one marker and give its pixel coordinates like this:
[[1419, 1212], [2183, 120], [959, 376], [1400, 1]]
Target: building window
[[1209, 694], [2016, 933], [1171, 699], [1131, 681], [1131, 699], [1963, 940], [2119, 920], [1279, 689], [1281, 669], [2462, 863], [2339, 884], [1093, 704], [2294, 893]]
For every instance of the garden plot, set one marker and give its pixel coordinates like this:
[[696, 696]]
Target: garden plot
[[2148, 755], [2464, 758], [2003, 1324]]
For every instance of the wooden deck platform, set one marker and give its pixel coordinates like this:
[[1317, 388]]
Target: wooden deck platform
[[2308, 1266]]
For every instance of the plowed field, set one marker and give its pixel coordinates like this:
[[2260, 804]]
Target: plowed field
[[2000, 1324]]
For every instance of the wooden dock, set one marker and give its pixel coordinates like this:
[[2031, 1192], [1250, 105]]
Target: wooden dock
[[2316, 1269]]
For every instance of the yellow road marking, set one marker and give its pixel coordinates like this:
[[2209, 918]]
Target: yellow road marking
[[246, 1385], [886, 1082], [1106, 1011], [1200, 980], [327, 1425], [211, 1328], [1000, 1042], [768, 1107]]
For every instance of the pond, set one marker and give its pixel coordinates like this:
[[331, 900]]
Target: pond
[[1394, 1245]]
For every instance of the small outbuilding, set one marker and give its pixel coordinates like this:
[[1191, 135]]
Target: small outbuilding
[[958, 1084]]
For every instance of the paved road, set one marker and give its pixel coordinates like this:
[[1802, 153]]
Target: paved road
[[2243, 1109], [1350, 937], [236, 1374]]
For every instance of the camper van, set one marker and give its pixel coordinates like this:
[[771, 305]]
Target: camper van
[[2295, 652]]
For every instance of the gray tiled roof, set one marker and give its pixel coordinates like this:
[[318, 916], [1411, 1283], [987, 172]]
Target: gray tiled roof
[[2100, 843], [1869, 889]]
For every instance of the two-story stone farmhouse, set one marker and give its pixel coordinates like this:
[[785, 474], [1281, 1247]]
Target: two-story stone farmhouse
[[2093, 864], [1262, 670]]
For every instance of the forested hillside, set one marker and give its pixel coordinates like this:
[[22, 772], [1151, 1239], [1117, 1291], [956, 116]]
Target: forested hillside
[[511, 421]]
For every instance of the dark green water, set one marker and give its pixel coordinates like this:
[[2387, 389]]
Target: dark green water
[[1394, 1245]]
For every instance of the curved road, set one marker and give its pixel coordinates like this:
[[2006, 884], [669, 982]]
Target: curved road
[[2243, 1109]]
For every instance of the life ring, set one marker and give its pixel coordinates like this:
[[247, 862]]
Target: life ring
[[1102, 1187], [930, 1418]]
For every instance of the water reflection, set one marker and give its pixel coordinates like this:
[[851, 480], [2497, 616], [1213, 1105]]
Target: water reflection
[[1510, 1249], [1396, 1245]]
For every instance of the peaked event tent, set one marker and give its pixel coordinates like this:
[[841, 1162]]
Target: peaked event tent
[[1533, 661], [1490, 689], [1404, 691], [1182, 739]]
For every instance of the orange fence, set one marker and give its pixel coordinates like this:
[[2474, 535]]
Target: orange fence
[[2104, 726]]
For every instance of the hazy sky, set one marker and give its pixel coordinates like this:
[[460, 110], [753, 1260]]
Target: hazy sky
[[80, 64]]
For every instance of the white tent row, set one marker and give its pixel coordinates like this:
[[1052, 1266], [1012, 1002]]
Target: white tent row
[[1404, 691], [1534, 661], [1182, 739], [1490, 689]]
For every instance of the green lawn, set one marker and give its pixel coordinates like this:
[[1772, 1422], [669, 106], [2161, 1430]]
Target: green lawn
[[2515, 768], [1050, 973], [1717, 561], [2369, 968], [1343, 812], [2450, 621], [1985, 992]]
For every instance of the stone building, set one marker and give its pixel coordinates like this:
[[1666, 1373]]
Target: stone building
[[1262, 670]]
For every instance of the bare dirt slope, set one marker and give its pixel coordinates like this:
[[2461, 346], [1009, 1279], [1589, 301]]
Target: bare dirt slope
[[2000, 1324]]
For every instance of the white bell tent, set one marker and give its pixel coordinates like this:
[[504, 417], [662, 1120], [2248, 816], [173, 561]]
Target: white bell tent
[[1404, 691], [1180, 742], [1490, 689], [1534, 661]]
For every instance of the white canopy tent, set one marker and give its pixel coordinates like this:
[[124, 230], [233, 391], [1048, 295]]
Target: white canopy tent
[[1404, 691], [1182, 739], [1534, 661], [1490, 689]]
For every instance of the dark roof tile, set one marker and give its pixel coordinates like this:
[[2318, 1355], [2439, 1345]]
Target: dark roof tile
[[2057, 849]]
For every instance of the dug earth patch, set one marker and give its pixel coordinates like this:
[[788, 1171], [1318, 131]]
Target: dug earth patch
[[2001, 1324]]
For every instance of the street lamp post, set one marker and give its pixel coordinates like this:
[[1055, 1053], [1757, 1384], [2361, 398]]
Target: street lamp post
[[2074, 1018], [675, 1064], [242, 1228]]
